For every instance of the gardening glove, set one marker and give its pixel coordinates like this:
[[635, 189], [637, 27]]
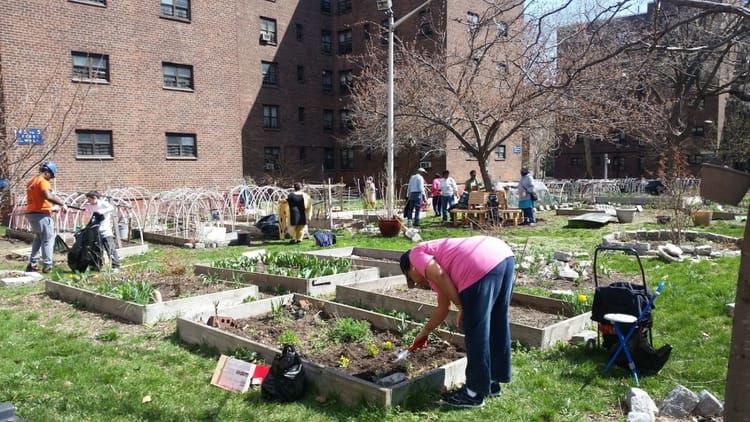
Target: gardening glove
[[419, 342]]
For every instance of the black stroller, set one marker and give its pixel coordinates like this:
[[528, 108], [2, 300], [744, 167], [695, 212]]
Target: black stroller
[[629, 298]]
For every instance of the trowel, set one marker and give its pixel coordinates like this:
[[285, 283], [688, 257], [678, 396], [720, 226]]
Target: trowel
[[405, 353]]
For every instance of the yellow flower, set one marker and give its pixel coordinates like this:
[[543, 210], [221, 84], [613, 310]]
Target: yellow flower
[[582, 298], [344, 361], [70, 276]]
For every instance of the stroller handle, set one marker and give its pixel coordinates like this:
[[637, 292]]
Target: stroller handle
[[624, 249]]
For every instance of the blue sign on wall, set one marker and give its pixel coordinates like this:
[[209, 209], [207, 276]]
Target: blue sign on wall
[[30, 136], [516, 149]]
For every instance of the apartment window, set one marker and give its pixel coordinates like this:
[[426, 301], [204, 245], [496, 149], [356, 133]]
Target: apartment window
[[301, 114], [345, 119], [93, 2], [500, 153], [347, 158], [425, 22], [271, 158], [270, 72], [327, 81], [90, 67], [301, 74], [368, 153], [270, 116], [177, 75], [472, 20], [327, 119], [94, 143], [329, 160], [176, 9], [325, 41], [267, 30], [345, 81], [298, 32], [325, 7], [343, 6], [699, 130], [501, 68], [502, 29], [695, 159], [345, 41], [576, 162], [181, 145]]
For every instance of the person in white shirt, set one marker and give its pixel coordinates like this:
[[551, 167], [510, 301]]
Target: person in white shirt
[[448, 191], [416, 193], [102, 211]]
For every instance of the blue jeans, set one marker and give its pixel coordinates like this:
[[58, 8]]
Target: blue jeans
[[528, 215], [44, 238], [446, 202], [414, 205], [486, 326]]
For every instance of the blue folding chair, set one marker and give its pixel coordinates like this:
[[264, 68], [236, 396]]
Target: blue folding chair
[[625, 319]]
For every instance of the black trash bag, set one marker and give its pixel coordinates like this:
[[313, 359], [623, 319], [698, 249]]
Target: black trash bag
[[269, 226], [648, 361], [285, 381], [622, 297], [87, 250]]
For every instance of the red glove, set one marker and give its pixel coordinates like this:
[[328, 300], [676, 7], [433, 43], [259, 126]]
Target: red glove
[[418, 343]]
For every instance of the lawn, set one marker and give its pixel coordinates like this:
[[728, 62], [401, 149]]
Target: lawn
[[60, 363]]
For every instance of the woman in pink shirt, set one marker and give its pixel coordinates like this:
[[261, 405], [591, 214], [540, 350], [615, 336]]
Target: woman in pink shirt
[[476, 275], [435, 192]]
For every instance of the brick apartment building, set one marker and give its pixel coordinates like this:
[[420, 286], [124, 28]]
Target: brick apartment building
[[625, 156], [193, 93]]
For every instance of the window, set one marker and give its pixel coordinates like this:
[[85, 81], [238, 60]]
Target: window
[[345, 41], [347, 158], [94, 143], [576, 162], [343, 6], [325, 41], [302, 153], [177, 76], [500, 153], [325, 7], [90, 67], [267, 31], [384, 25], [699, 130], [329, 161], [94, 2], [301, 114], [300, 74], [176, 9], [345, 81], [298, 32], [502, 29], [368, 153], [271, 158], [270, 116], [327, 119], [695, 159], [501, 68], [345, 119], [270, 73], [181, 145], [425, 22], [327, 81], [472, 20]]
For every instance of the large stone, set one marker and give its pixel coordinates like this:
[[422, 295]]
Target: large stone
[[708, 405], [639, 401], [679, 403]]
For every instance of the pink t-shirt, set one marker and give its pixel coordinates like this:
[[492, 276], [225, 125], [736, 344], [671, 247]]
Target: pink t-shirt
[[465, 259]]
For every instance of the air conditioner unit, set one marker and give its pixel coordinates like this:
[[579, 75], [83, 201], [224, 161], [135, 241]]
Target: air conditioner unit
[[425, 164], [265, 37], [384, 4], [269, 166]]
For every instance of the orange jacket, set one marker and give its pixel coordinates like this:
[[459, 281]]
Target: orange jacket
[[35, 198]]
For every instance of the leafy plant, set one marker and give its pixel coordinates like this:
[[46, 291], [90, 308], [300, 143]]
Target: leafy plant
[[372, 350], [344, 361], [288, 337], [349, 330], [289, 264], [387, 345]]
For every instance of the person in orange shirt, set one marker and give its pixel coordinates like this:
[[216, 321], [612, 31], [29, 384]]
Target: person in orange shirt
[[39, 209]]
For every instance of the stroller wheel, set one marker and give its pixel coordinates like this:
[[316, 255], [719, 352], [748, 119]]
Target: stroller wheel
[[589, 345]]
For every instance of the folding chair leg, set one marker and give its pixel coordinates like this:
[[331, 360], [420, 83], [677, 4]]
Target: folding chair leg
[[622, 347]]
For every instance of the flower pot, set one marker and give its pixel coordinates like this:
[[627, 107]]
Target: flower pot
[[702, 218], [625, 215], [389, 227], [723, 184]]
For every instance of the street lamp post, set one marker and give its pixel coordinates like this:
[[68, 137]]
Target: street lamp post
[[387, 6]]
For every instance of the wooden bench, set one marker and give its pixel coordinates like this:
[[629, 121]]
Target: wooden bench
[[476, 211], [508, 215]]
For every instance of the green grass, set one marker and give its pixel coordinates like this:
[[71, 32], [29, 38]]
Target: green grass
[[53, 368]]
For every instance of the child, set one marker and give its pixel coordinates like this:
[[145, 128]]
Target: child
[[101, 210]]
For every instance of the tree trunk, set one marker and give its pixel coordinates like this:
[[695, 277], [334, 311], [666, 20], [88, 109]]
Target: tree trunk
[[737, 405]]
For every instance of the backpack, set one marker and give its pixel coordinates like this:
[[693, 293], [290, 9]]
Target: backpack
[[285, 381], [87, 250], [463, 201]]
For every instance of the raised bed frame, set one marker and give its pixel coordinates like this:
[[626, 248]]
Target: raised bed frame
[[330, 381]]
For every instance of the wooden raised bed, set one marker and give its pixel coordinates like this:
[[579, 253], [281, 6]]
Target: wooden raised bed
[[195, 306], [329, 381], [311, 286], [387, 261], [373, 295]]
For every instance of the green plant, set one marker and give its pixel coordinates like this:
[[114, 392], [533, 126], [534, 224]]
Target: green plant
[[209, 279], [344, 361], [288, 337], [349, 330], [372, 350], [387, 345], [108, 335]]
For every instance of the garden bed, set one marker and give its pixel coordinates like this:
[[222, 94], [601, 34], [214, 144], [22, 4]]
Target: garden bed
[[257, 328], [535, 321], [387, 261], [181, 295]]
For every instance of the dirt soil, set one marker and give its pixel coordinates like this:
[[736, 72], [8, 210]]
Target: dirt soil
[[312, 327]]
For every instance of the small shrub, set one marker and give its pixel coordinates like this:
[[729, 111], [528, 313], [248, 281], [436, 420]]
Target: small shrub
[[288, 337], [372, 350], [387, 345], [349, 330]]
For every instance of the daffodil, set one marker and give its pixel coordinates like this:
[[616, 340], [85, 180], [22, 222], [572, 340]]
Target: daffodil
[[582, 298]]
